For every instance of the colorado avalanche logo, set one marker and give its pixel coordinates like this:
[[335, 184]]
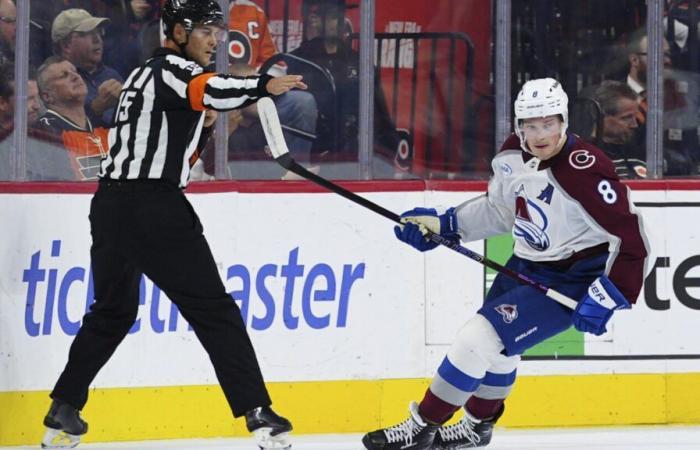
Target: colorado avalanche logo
[[528, 228], [509, 312], [581, 159]]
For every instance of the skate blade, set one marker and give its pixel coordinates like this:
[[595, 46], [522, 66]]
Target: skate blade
[[59, 439], [266, 441]]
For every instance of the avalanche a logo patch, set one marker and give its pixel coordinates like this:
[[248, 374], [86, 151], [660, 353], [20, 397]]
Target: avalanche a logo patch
[[530, 222], [508, 312]]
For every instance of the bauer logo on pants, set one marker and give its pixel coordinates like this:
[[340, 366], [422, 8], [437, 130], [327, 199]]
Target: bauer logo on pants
[[509, 312]]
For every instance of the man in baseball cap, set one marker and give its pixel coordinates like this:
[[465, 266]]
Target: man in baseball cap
[[78, 37], [72, 20]]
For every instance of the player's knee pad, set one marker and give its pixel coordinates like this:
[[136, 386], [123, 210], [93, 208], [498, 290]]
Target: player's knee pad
[[477, 341], [467, 361]]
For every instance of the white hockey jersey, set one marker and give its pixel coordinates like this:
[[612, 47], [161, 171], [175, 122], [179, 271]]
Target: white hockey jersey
[[559, 207]]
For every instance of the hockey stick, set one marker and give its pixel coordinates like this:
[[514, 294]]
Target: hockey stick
[[278, 147]]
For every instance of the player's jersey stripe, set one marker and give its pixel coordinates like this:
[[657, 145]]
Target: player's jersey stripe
[[499, 379], [450, 373]]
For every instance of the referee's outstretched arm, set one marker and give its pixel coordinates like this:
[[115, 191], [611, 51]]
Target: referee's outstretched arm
[[183, 72], [224, 92], [159, 122]]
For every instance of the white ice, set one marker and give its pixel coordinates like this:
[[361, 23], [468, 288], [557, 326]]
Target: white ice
[[617, 438]]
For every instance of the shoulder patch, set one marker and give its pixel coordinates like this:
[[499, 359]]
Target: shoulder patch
[[184, 64], [506, 169], [581, 159]]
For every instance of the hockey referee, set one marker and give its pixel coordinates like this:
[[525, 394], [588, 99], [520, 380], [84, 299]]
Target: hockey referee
[[142, 223]]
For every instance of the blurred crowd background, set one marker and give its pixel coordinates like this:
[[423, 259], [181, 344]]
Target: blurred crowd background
[[434, 107]]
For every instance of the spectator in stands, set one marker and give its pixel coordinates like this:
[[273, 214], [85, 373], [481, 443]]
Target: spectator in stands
[[680, 138], [637, 57], [250, 45], [619, 137], [44, 159], [328, 47], [8, 29], [63, 91], [7, 99], [43, 13], [78, 37]]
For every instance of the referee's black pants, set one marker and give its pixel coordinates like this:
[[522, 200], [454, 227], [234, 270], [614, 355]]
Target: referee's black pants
[[149, 227]]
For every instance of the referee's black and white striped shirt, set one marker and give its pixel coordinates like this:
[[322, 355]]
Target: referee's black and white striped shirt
[[158, 123]]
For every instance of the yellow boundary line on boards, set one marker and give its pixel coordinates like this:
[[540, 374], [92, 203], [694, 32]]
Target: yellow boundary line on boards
[[121, 414]]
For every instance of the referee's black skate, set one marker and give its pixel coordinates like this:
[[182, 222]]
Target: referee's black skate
[[270, 429], [411, 434], [469, 432], [64, 426]]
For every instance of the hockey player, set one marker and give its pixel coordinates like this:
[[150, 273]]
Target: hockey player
[[142, 223], [575, 230]]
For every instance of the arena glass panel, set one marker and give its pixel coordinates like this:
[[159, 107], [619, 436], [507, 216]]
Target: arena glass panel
[[434, 98], [79, 52], [589, 47], [277, 37], [8, 35], [681, 119], [8, 154]]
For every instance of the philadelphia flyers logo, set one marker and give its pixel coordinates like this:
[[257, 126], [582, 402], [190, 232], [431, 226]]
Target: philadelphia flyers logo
[[404, 151], [239, 48], [581, 159]]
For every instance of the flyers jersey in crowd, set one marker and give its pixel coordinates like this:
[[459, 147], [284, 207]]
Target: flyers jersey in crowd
[[250, 41], [85, 145]]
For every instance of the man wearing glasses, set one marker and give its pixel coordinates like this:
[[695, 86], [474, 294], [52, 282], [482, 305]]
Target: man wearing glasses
[[680, 139], [78, 37], [620, 138]]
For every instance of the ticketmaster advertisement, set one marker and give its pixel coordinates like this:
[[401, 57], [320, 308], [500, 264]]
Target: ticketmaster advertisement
[[325, 289], [341, 314]]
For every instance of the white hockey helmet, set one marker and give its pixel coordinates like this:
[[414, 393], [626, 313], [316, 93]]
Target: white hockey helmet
[[542, 97]]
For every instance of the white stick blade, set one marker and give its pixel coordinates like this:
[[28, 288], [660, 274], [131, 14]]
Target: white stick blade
[[271, 126]]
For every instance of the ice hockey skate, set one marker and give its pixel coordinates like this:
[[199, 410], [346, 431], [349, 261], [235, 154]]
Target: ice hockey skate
[[411, 434], [271, 430], [63, 426], [469, 432]]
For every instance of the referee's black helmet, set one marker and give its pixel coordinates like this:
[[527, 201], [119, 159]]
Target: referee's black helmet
[[190, 13]]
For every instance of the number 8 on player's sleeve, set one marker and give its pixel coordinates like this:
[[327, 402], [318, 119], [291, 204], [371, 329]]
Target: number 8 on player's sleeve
[[607, 192]]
